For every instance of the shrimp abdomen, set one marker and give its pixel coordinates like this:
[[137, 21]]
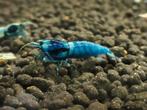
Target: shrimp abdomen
[[82, 49]]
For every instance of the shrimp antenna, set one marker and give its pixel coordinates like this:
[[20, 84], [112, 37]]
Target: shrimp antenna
[[31, 44]]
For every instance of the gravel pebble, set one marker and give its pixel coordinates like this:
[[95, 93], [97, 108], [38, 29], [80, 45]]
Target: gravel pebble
[[73, 88], [7, 108], [10, 91], [125, 69], [16, 45], [101, 82], [135, 105], [90, 91], [42, 83], [133, 50], [57, 101], [2, 70], [89, 65], [113, 75], [75, 107], [81, 98], [12, 101], [33, 69], [142, 74], [28, 101], [144, 48], [58, 88], [108, 41], [136, 88], [125, 79], [24, 79], [85, 77], [7, 81], [22, 62], [134, 79], [21, 108], [6, 49], [138, 96], [103, 95], [120, 92], [129, 59], [97, 106], [18, 88], [35, 91], [116, 104], [116, 84], [2, 94], [119, 51]]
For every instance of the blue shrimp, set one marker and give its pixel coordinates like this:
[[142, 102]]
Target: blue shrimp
[[60, 51], [14, 30], [57, 51]]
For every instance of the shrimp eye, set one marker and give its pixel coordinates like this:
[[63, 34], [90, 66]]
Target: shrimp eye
[[41, 43], [12, 29]]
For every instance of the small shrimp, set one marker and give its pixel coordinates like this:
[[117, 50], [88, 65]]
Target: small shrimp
[[57, 50], [14, 30]]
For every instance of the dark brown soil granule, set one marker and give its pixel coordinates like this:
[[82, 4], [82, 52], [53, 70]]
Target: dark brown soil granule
[[28, 84]]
